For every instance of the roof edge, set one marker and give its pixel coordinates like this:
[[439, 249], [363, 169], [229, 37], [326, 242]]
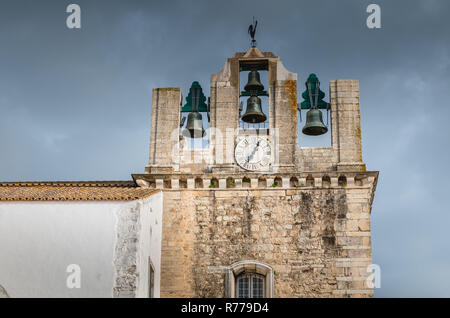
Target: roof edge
[[115, 184]]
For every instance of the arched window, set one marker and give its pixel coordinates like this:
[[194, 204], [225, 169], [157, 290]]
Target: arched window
[[249, 279], [250, 286]]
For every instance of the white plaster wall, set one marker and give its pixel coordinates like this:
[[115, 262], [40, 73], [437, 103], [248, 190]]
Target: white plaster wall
[[150, 244], [38, 240]]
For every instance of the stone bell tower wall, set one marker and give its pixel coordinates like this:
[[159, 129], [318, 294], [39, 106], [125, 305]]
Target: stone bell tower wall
[[283, 113], [164, 134], [346, 121], [224, 112], [282, 109], [345, 153], [305, 226], [314, 238]]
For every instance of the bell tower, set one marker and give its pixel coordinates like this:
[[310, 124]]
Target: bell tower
[[281, 127], [252, 203]]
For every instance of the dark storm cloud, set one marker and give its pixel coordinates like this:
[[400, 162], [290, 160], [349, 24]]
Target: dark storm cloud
[[75, 104]]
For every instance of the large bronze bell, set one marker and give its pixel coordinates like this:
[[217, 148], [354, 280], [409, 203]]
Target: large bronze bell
[[254, 114], [314, 124], [254, 82], [194, 126]]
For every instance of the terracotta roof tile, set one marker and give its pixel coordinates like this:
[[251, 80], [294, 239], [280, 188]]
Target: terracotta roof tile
[[73, 191]]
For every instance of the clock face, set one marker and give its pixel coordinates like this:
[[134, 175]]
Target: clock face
[[253, 153]]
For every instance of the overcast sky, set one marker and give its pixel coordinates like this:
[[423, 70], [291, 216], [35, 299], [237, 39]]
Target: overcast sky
[[76, 104]]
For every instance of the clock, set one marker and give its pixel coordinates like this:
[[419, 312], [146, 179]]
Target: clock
[[253, 153]]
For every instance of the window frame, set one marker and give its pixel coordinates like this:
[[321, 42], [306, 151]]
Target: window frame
[[248, 267]]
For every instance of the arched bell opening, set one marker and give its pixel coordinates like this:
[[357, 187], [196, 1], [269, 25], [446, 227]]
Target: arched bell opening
[[309, 181], [326, 181], [246, 182], [253, 97], [314, 116], [293, 182], [342, 181], [194, 118]]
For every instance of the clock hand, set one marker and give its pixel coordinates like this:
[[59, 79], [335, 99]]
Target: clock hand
[[254, 151]]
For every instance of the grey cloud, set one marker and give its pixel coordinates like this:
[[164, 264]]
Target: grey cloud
[[75, 104]]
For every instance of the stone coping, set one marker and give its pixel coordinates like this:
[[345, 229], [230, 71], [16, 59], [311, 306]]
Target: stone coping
[[249, 174], [313, 180]]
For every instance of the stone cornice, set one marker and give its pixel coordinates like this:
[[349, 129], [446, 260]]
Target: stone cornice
[[251, 181]]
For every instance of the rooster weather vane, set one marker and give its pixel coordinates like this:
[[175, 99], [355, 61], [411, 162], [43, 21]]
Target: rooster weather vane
[[252, 31]]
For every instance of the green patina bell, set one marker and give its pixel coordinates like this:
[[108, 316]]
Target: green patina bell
[[194, 126], [254, 113], [314, 124], [254, 82]]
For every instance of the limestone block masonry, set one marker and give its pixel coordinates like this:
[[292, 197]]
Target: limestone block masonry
[[316, 239], [304, 225]]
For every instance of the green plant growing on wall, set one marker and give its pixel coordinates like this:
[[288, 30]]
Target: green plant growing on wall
[[275, 184], [231, 183], [212, 185], [246, 180]]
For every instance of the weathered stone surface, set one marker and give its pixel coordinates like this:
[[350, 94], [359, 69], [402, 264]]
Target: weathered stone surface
[[306, 236], [309, 220]]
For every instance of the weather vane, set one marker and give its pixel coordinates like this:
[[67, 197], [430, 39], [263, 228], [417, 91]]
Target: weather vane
[[252, 31]]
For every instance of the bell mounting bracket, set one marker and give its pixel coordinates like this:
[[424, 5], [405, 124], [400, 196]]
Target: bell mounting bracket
[[196, 100]]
